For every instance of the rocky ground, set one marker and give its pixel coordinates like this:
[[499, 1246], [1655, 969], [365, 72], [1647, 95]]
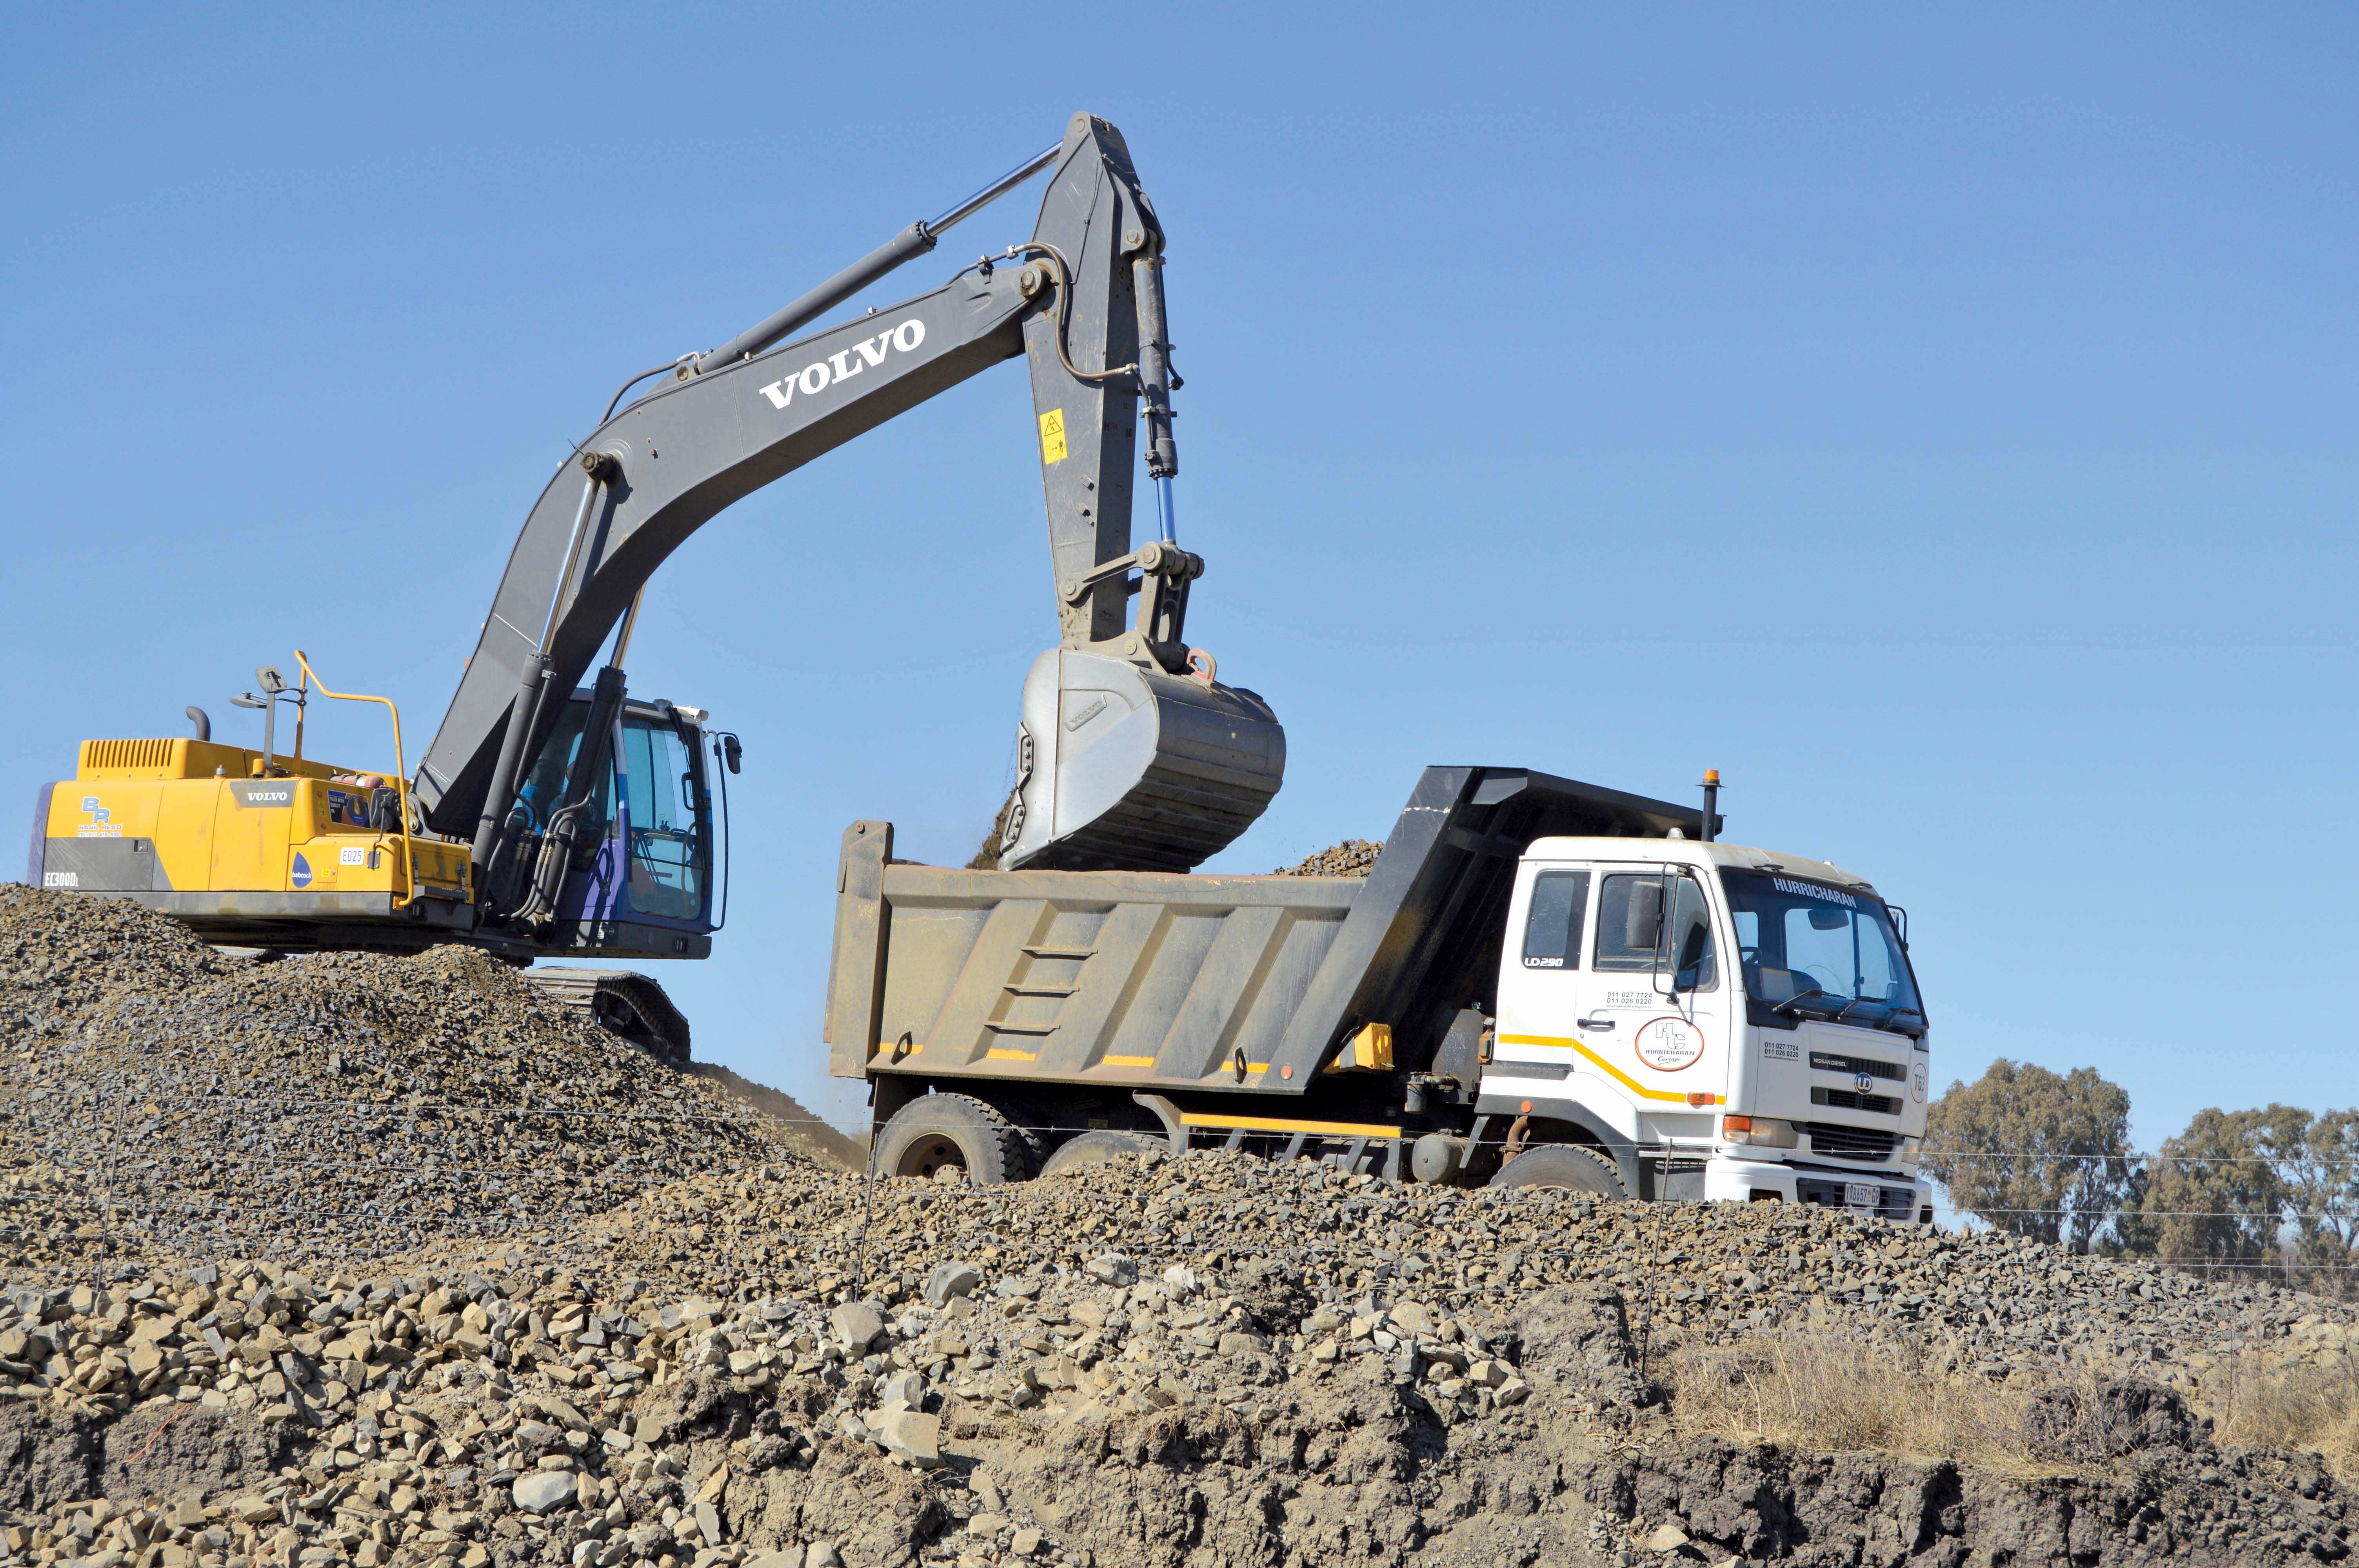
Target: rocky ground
[[1169, 1362], [330, 1107]]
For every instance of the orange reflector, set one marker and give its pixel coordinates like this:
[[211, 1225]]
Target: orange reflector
[[1700, 1099], [1528, 1107], [1737, 1124], [1286, 1072]]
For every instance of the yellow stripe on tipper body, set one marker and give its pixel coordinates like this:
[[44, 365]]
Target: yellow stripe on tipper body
[[1001, 1054], [1127, 1061], [1559, 1041], [1288, 1124]]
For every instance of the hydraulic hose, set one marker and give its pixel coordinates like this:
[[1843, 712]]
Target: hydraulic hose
[[1064, 314]]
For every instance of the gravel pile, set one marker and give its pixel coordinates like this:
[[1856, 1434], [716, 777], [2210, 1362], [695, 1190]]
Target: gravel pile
[[1167, 1362], [1352, 857], [162, 1100], [463, 1279]]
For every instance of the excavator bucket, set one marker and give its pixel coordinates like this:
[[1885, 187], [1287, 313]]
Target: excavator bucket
[[1121, 768]]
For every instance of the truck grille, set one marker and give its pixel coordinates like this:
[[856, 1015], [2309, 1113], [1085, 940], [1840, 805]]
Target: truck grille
[[1845, 1100], [1850, 1143], [1892, 1203], [1831, 1062]]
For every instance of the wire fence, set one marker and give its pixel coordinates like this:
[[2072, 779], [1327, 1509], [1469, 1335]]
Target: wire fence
[[114, 1194]]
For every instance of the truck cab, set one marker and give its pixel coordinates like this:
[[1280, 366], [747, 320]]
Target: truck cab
[[1724, 1022]]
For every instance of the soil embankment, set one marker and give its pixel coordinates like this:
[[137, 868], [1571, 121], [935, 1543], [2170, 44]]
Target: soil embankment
[[524, 1296]]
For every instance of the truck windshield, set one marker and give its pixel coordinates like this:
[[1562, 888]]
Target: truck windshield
[[1813, 950]]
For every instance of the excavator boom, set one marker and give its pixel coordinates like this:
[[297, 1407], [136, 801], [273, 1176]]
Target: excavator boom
[[1130, 755]]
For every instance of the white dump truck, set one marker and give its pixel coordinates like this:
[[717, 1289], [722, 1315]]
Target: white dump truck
[[1540, 981]]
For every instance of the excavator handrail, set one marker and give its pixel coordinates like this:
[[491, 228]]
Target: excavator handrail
[[400, 771]]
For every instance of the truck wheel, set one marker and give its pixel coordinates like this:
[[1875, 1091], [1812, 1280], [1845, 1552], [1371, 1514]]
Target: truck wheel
[[1097, 1149], [1571, 1166], [937, 1130]]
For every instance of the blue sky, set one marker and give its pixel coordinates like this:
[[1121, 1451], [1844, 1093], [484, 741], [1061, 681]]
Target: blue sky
[[1938, 418]]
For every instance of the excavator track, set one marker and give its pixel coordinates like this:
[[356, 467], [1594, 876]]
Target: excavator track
[[624, 1003]]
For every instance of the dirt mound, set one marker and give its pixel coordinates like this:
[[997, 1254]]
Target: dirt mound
[[162, 1100], [640, 1334], [794, 1124], [1352, 857], [1086, 1409]]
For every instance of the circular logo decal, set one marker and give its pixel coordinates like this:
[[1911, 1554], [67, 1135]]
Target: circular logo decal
[[1916, 1084], [1667, 1044]]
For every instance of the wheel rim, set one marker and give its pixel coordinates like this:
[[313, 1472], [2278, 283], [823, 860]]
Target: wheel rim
[[928, 1153]]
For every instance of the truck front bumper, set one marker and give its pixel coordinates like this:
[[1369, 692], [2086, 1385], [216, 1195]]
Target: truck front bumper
[[1897, 1195]]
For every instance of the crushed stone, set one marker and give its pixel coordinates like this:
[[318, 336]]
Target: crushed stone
[[1352, 857], [761, 1362], [162, 1099]]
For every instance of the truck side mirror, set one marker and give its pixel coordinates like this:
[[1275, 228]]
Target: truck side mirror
[[1641, 925], [270, 680], [731, 752]]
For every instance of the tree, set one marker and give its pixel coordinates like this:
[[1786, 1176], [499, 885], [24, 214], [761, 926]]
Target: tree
[[2323, 1177], [2216, 1200], [2245, 1189], [2033, 1153]]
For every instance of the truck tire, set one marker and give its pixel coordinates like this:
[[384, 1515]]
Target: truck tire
[[935, 1131], [1571, 1166], [1096, 1148]]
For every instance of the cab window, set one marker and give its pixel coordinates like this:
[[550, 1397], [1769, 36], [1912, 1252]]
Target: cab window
[[667, 860], [1681, 939], [1552, 930], [1691, 936]]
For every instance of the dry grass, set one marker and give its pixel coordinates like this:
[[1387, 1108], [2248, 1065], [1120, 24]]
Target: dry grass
[[1825, 1391], [1822, 1392], [2260, 1401]]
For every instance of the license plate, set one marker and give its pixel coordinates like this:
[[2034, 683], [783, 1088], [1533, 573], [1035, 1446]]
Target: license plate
[[1860, 1194]]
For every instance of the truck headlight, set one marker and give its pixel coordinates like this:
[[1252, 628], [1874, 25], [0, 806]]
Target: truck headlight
[[1761, 1131]]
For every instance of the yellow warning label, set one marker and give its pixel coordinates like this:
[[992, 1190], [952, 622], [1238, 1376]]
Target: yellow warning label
[[1052, 436]]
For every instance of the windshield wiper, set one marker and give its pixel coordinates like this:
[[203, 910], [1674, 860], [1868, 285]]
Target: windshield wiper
[[1800, 996]]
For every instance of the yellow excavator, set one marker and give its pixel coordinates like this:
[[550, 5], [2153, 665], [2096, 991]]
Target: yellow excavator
[[552, 819]]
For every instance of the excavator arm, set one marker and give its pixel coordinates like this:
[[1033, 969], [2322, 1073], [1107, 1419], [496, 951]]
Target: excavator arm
[[1130, 756]]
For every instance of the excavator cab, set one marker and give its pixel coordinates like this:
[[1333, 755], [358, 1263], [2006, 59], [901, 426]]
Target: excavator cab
[[638, 878]]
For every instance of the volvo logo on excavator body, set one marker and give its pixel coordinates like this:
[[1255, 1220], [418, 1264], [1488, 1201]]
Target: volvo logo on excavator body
[[845, 363]]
